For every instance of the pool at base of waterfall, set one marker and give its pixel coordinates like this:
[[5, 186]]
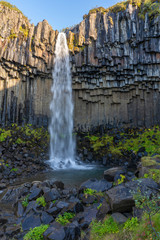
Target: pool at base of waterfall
[[70, 177]]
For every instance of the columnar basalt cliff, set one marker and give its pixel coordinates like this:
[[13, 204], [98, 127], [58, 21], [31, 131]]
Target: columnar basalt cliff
[[115, 60], [26, 63]]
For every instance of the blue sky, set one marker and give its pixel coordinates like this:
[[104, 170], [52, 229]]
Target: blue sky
[[59, 13]]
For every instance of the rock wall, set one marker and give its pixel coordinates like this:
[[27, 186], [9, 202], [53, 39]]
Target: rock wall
[[26, 62], [115, 59]]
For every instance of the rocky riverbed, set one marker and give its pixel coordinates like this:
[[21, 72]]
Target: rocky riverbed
[[68, 212], [46, 203]]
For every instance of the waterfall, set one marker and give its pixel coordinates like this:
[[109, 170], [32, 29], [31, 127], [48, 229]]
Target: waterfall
[[62, 145]]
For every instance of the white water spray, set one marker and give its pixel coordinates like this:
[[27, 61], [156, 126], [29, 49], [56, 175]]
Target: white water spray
[[62, 145]]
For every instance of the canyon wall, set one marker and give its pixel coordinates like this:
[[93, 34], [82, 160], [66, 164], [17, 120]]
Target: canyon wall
[[115, 60]]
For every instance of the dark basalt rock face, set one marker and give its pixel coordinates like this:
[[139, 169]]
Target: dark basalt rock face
[[115, 69]]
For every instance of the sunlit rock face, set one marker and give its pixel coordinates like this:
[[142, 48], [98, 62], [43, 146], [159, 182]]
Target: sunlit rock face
[[115, 61]]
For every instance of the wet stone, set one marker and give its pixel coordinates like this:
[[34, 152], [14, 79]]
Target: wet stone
[[51, 195], [78, 208], [62, 205], [31, 221], [72, 231], [46, 218], [20, 210], [32, 205], [54, 211], [36, 192], [98, 185], [89, 199]]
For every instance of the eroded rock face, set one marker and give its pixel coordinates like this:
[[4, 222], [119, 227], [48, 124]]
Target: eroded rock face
[[26, 62], [115, 69]]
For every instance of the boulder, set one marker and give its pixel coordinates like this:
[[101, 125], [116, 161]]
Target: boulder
[[88, 199], [89, 214], [51, 195], [120, 199], [54, 211], [35, 193], [62, 204], [31, 221], [98, 185], [54, 232], [103, 210], [110, 173], [72, 232], [119, 218], [121, 196], [46, 218]]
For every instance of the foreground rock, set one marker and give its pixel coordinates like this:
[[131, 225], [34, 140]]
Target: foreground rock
[[121, 196], [26, 211], [97, 185], [111, 173]]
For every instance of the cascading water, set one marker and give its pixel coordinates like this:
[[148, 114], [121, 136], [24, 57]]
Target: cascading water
[[62, 145]]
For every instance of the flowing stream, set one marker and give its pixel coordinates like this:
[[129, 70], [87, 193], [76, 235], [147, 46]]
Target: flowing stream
[[62, 145]]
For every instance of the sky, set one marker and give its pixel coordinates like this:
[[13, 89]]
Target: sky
[[59, 13]]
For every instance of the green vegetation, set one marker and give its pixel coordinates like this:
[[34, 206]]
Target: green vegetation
[[130, 224], [41, 201], [154, 174], [36, 233], [122, 179], [146, 228], [152, 7], [14, 169], [36, 139], [4, 134], [150, 206], [12, 7], [129, 141], [24, 30], [99, 9], [65, 218], [12, 35], [100, 205], [25, 201], [89, 191], [149, 161], [99, 229]]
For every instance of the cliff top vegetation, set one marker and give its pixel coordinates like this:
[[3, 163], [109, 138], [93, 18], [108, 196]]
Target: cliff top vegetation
[[12, 7], [152, 7]]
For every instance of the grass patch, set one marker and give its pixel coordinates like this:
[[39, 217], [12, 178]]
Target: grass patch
[[25, 201], [65, 218], [148, 161], [133, 229], [154, 174], [89, 191], [100, 229], [41, 201], [36, 233]]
